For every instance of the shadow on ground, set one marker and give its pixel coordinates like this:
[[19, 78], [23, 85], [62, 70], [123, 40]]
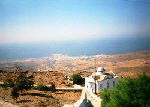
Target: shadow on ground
[[38, 94], [86, 103], [22, 101]]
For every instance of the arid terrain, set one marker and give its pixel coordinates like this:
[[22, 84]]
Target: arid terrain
[[35, 98], [57, 67], [122, 64]]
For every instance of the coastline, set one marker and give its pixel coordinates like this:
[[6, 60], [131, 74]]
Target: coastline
[[132, 62]]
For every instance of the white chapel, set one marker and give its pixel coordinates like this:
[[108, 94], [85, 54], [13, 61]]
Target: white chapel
[[102, 79]]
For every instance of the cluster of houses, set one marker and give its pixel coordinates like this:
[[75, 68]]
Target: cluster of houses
[[100, 80]]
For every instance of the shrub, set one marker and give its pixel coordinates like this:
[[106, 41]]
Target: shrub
[[42, 87], [58, 104], [52, 87], [8, 83], [77, 79], [128, 93]]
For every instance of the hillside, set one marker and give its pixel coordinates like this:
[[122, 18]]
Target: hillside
[[55, 68], [122, 64]]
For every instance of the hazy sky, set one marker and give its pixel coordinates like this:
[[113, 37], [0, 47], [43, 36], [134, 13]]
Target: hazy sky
[[52, 20]]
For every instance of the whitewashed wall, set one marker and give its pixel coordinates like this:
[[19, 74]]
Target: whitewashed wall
[[104, 82], [91, 85], [88, 85]]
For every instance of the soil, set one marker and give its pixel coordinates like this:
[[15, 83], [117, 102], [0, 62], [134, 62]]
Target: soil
[[35, 98]]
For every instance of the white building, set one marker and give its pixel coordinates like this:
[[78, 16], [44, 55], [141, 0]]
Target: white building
[[102, 80]]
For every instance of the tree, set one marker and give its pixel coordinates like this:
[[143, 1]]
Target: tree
[[17, 70], [128, 93], [77, 79], [23, 82], [30, 82], [15, 93]]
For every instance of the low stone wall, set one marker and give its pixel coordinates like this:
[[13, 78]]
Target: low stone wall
[[83, 96], [78, 103], [68, 89]]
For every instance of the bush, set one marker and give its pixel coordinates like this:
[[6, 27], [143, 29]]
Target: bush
[[128, 93], [77, 79], [42, 87], [8, 83], [58, 104], [52, 87]]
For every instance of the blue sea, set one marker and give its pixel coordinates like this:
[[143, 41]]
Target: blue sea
[[19, 51]]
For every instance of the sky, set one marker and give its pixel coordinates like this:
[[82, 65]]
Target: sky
[[60, 20]]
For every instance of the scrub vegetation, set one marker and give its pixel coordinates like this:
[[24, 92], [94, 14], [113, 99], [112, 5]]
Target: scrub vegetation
[[130, 92]]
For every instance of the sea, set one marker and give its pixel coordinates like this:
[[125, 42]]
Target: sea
[[21, 51]]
